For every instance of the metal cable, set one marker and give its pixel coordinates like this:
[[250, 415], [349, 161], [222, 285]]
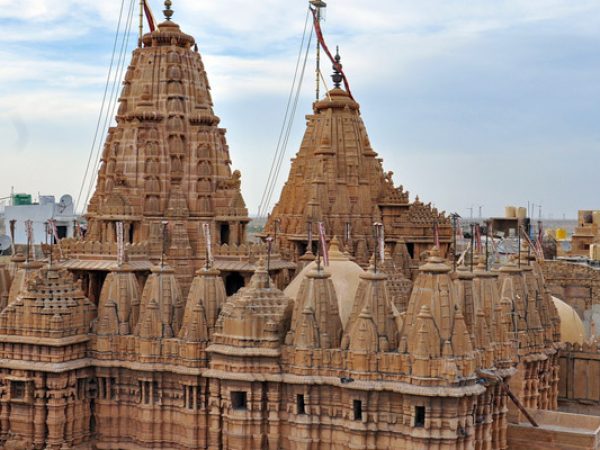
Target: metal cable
[[108, 78], [110, 111], [262, 206]]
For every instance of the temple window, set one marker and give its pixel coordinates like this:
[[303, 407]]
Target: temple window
[[191, 397], [239, 400], [357, 407], [419, 416], [224, 233], [300, 404], [149, 392], [17, 390], [233, 283], [82, 388], [107, 389]]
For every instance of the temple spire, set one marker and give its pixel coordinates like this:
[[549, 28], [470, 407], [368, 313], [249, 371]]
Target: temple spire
[[168, 12]]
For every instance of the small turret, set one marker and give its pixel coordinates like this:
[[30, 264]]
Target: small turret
[[161, 299], [318, 295], [208, 291], [121, 294], [372, 297]]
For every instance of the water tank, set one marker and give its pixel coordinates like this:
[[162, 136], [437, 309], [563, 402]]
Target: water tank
[[510, 212], [522, 213], [561, 234], [21, 199]]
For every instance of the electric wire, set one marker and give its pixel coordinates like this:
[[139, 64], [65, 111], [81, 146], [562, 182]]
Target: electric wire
[[108, 78], [110, 111], [262, 207]]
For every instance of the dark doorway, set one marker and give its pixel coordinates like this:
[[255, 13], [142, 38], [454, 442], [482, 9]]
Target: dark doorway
[[233, 283], [410, 246], [224, 233], [61, 231]]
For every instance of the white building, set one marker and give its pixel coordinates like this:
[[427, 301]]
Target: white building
[[39, 214]]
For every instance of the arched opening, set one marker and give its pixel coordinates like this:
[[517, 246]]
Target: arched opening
[[233, 283]]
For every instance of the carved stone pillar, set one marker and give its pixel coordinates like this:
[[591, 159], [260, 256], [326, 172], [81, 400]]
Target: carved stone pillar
[[39, 414], [214, 430]]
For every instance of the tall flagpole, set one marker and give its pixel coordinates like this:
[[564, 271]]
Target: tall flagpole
[[141, 23], [318, 4]]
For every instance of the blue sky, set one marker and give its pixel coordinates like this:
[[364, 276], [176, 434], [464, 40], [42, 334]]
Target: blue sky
[[469, 103]]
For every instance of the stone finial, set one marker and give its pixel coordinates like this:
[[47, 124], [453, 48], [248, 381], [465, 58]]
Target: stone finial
[[337, 76], [168, 11]]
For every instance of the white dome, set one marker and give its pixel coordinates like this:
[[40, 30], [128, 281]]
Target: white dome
[[345, 275], [571, 325]]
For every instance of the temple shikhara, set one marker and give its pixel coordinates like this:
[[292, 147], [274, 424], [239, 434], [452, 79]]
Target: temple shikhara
[[337, 179], [164, 328]]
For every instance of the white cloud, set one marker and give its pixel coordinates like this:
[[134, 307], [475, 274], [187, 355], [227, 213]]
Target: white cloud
[[400, 55]]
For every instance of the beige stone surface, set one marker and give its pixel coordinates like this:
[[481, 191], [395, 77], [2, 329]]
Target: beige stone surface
[[343, 359]]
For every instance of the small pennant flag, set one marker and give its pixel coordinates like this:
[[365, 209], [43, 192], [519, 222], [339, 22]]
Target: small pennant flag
[[323, 244], [120, 244], [56, 238], [54, 230], [29, 234], [208, 241], [379, 233], [149, 16]]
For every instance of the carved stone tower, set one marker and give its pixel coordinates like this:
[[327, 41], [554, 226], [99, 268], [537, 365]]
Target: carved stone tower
[[166, 160], [337, 178]]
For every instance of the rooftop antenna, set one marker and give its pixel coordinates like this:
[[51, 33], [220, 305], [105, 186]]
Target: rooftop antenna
[[318, 5]]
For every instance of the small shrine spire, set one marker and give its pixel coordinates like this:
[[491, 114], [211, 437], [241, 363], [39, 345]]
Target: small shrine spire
[[337, 76], [168, 12]]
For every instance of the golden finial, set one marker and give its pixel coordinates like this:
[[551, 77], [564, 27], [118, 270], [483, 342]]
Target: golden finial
[[168, 11]]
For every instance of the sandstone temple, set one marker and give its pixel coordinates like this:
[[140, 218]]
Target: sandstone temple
[[163, 328]]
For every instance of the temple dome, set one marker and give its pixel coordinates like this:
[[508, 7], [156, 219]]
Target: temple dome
[[571, 325], [345, 275]]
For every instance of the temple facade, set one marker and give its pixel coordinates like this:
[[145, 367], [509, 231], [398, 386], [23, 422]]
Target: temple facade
[[150, 368], [130, 338]]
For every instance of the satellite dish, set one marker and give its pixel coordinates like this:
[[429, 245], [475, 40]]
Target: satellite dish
[[65, 202], [5, 242]]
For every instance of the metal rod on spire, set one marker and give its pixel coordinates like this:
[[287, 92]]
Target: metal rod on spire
[[141, 23], [318, 5]]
